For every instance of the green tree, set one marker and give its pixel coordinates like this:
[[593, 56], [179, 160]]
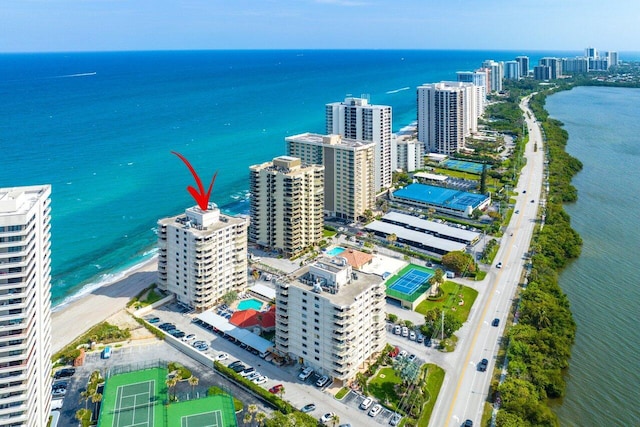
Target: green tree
[[248, 417], [392, 317], [84, 416], [483, 179], [230, 297], [260, 418], [459, 262], [193, 382], [335, 419]]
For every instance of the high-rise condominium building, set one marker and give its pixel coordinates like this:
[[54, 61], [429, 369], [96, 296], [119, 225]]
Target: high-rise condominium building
[[203, 255], [287, 201], [524, 65], [331, 317], [612, 58], [348, 171], [356, 119], [25, 306], [512, 70], [447, 113], [555, 66], [496, 74], [409, 153], [575, 65], [542, 72]]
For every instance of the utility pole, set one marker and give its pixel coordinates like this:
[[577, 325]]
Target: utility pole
[[442, 327]]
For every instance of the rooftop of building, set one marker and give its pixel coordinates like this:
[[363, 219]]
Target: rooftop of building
[[346, 294], [201, 223], [329, 140], [18, 200], [439, 196]]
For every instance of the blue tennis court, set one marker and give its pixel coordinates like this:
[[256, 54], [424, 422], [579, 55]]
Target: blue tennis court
[[410, 281]]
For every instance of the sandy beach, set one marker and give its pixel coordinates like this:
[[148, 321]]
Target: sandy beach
[[75, 318]]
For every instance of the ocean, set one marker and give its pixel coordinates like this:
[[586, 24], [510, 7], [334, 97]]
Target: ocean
[[100, 127], [602, 285]]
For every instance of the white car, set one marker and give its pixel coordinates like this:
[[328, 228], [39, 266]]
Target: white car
[[377, 408], [397, 330], [189, 338], [327, 417], [405, 331], [222, 356], [366, 403], [306, 373], [412, 335], [402, 354], [260, 380]]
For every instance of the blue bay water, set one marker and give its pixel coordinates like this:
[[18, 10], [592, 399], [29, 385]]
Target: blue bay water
[[602, 285], [100, 127]]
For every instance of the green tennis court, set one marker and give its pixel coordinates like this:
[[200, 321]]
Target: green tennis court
[[134, 399], [140, 399], [409, 283]]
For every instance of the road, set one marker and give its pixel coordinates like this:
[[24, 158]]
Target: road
[[465, 388]]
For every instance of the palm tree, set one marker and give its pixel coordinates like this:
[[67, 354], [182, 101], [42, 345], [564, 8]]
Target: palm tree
[[193, 382], [252, 409], [260, 417], [391, 238], [85, 395], [171, 383], [248, 417], [335, 419]]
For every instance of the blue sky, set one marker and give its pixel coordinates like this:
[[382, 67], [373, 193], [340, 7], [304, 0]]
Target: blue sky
[[93, 25]]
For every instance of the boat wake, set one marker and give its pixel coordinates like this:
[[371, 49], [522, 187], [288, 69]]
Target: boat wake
[[398, 90], [76, 75]]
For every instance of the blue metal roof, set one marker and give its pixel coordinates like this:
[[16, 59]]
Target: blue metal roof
[[439, 196]]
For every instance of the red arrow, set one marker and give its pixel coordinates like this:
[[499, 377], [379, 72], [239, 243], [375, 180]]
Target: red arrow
[[201, 197]]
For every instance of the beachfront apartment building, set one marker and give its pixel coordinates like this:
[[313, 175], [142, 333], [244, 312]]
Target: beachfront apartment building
[[512, 70], [349, 189], [25, 306], [202, 256], [287, 202], [447, 113], [409, 153], [330, 317], [555, 66], [495, 73], [356, 119]]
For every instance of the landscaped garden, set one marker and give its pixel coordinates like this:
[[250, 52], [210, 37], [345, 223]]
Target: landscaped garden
[[454, 297]]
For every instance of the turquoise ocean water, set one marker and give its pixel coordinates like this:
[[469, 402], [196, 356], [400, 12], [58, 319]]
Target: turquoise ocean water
[[603, 284]]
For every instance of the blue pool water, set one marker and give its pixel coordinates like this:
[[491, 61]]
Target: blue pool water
[[335, 251], [250, 303]]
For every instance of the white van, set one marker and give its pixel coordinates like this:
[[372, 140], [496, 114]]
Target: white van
[[366, 403]]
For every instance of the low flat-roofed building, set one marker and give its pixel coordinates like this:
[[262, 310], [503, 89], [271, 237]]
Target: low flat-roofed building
[[322, 311], [414, 238], [433, 228], [446, 200], [430, 177]]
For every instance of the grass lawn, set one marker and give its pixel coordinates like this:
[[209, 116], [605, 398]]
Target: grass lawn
[[342, 393], [435, 377], [328, 233], [382, 387], [454, 293]]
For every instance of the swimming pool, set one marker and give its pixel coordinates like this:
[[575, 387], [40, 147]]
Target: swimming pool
[[253, 303], [335, 251]]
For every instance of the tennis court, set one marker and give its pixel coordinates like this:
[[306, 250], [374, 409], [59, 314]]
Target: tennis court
[[410, 283], [461, 165], [140, 399], [134, 399]]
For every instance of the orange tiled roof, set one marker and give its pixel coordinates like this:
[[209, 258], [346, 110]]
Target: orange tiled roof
[[356, 258]]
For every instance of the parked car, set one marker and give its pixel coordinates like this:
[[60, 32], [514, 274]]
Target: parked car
[[308, 408], [327, 417], [177, 333], [403, 353], [247, 371], [153, 320], [322, 381], [239, 368], [260, 380], [420, 338], [468, 423], [397, 330], [495, 322], [306, 373], [276, 388], [222, 356], [427, 342], [412, 335], [394, 352], [405, 331], [234, 364], [377, 408], [412, 357], [395, 419], [106, 352], [64, 373], [189, 337], [366, 403], [482, 366], [202, 347], [499, 265]]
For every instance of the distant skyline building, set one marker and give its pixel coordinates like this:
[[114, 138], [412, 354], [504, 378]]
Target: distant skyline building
[[202, 256], [512, 70], [575, 65], [25, 300], [496, 74], [349, 188], [447, 112], [542, 72], [356, 119], [330, 317], [555, 66], [591, 52], [612, 56], [287, 202], [524, 65]]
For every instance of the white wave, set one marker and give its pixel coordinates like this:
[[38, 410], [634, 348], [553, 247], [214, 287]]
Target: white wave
[[76, 75], [398, 90], [103, 280]]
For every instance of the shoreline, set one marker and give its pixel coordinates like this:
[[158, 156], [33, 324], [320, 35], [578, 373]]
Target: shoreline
[[71, 319]]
